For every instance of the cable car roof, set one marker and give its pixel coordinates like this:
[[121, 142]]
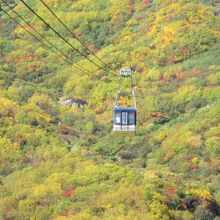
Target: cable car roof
[[125, 108]]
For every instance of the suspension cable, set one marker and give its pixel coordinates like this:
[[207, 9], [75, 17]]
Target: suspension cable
[[64, 56], [61, 35], [74, 36]]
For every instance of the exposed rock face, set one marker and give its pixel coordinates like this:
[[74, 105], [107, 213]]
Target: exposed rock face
[[73, 103]]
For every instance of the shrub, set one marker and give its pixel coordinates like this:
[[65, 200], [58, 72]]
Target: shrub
[[126, 155], [201, 213], [89, 128], [212, 146]]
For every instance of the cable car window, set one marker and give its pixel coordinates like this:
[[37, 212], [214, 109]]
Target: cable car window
[[131, 118], [117, 118], [124, 118]]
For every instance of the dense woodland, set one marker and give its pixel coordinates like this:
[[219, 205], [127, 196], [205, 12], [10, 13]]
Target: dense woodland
[[58, 162]]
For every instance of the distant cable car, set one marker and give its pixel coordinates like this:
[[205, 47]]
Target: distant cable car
[[125, 116]]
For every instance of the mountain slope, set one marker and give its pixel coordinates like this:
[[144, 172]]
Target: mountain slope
[[59, 162]]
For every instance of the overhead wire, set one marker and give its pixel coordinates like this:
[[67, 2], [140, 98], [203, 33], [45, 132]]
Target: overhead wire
[[60, 36], [64, 56], [25, 29], [74, 36]]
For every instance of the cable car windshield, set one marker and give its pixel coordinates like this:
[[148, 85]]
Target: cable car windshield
[[118, 118], [125, 117], [131, 118]]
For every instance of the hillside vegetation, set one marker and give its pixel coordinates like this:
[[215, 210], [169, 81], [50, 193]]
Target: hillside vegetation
[[58, 162]]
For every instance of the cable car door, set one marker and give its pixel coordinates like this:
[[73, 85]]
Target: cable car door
[[124, 116]]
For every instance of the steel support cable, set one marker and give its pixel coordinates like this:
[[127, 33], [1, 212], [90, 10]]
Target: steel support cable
[[60, 35], [38, 39], [74, 36], [77, 66]]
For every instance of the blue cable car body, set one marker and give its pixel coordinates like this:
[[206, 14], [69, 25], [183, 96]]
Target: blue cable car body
[[125, 120], [125, 117]]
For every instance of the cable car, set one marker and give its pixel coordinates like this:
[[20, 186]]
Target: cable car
[[125, 116]]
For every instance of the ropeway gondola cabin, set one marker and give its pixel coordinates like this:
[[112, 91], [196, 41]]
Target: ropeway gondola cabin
[[124, 116], [124, 120]]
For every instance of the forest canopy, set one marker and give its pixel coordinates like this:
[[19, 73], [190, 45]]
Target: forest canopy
[[63, 161]]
